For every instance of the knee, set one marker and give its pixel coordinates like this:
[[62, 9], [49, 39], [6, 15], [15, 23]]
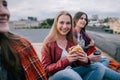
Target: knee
[[105, 59], [99, 66], [66, 74]]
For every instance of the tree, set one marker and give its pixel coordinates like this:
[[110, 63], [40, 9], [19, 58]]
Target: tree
[[47, 23], [106, 20], [50, 21]]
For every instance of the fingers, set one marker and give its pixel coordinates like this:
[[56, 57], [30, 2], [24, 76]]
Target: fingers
[[72, 52], [72, 57], [83, 59], [77, 55]]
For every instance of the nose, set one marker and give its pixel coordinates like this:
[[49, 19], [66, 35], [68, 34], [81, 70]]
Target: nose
[[65, 25]]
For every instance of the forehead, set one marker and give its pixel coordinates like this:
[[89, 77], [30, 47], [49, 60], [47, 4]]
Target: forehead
[[83, 15], [64, 17], [2, 1]]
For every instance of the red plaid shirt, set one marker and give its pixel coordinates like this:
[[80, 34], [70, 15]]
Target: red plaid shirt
[[30, 61]]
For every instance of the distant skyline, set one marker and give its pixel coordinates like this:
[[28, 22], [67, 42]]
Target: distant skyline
[[43, 9]]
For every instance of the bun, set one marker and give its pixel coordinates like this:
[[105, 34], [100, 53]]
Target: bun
[[76, 48]]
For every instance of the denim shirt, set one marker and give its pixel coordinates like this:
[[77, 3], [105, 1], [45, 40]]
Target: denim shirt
[[3, 72]]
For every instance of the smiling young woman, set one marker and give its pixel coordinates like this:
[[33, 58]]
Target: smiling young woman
[[18, 59]]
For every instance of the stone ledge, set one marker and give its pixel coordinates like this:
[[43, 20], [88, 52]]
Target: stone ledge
[[109, 47], [37, 47]]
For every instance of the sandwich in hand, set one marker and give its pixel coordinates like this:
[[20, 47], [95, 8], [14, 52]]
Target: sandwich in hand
[[76, 48]]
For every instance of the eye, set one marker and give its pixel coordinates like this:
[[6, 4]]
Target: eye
[[68, 23], [61, 22], [83, 18], [4, 3]]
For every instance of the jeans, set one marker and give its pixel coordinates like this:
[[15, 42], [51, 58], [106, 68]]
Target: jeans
[[109, 73], [104, 61], [66, 74], [92, 72]]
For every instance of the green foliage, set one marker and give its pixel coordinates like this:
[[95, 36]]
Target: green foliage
[[105, 27], [106, 20], [50, 21], [46, 23]]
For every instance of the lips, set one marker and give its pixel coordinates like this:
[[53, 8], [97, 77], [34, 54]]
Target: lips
[[4, 18], [3, 21]]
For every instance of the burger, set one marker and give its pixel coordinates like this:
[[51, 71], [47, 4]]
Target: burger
[[76, 48]]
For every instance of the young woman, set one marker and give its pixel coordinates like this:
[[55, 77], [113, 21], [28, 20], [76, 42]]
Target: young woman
[[60, 64], [18, 60], [80, 22]]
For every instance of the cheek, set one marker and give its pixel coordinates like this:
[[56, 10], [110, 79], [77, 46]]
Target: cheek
[[78, 23], [58, 26], [69, 27]]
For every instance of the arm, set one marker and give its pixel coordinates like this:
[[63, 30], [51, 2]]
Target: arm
[[30, 61], [51, 60]]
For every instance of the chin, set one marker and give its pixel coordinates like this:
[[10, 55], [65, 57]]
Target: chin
[[64, 34], [4, 29]]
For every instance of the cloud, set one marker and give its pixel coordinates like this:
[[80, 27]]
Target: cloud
[[48, 8]]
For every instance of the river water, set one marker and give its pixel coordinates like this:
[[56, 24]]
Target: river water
[[38, 35], [33, 35]]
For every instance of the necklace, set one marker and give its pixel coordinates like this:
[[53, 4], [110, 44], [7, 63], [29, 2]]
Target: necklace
[[62, 43]]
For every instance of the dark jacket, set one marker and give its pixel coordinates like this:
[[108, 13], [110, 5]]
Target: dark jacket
[[87, 39]]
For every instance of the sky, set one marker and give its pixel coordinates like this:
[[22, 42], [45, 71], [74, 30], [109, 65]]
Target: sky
[[42, 9]]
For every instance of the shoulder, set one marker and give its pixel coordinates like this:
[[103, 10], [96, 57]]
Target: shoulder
[[51, 44], [21, 44], [70, 43], [86, 35], [25, 40]]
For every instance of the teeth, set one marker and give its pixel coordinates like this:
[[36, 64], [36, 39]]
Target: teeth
[[3, 21]]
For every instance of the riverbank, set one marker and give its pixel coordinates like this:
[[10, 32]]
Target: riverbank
[[109, 43]]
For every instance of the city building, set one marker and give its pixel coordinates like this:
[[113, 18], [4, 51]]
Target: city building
[[114, 24], [23, 23]]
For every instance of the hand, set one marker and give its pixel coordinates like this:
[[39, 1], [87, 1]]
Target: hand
[[93, 57], [72, 56], [82, 56], [77, 55]]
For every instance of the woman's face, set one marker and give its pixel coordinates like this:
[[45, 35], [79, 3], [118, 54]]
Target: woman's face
[[64, 25], [4, 16], [81, 21]]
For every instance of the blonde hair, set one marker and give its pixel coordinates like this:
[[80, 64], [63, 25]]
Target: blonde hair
[[53, 34]]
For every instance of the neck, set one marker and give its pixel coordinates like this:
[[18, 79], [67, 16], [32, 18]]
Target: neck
[[61, 38], [78, 29], [62, 41]]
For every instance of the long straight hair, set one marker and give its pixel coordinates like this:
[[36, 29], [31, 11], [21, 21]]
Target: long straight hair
[[53, 34], [9, 56]]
